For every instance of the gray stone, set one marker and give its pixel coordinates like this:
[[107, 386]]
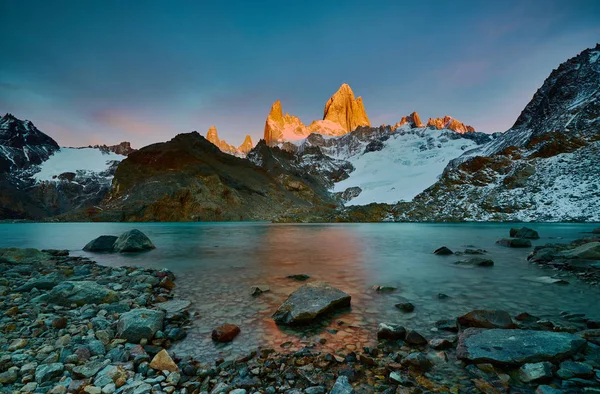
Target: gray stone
[[238, 391], [536, 371], [89, 369], [81, 293], [342, 386], [45, 282], [104, 243], [524, 232], [309, 302], [443, 251], [544, 389], [589, 251], [140, 323], [514, 242], [414, 338], [418, 361], [47, 372], [9, 376], [172, 307], [133, 241], [573, 369], [500, 347], [391, 331]]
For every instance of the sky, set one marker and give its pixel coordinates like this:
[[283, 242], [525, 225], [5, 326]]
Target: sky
[[105, 71]]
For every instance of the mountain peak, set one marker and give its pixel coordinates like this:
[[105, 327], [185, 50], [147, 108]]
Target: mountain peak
[[212, 135], [448, 122], [413, 120], [345, 110]]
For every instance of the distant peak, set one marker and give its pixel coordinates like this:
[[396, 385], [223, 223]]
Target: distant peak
[[413, 120], [343, 109]]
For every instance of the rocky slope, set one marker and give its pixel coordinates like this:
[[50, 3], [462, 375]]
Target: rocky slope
[[241, 151], [343, 113], [190, 179], [448, 122]]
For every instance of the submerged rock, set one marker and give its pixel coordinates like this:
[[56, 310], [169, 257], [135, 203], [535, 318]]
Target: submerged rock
[[140, 324], [443, 251], [104, 243], [510, 347], [514, 242], [486, 319], [588, 251], [133, 241], [476, 262], [298, 277], [310, 301], [81, 293]]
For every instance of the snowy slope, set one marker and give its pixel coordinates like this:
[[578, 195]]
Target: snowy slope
[[410, 161], [81, 161]]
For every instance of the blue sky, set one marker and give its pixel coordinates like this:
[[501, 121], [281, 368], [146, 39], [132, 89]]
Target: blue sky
[[107, 71]]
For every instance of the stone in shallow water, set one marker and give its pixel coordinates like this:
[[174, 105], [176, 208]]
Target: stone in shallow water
[[172, 307], [163, 362], [391, 331], [443, 251], [259, 289], [405, 307], [133, 241], [524, 232], [573, 369], [81, 293], [588, 251], [476, 262], [298, 277], [140, 324], [225, 333], [546, 280], [536, 371], [514, 242], [309, 302], [104, 243], [510, 347], [486, 319]]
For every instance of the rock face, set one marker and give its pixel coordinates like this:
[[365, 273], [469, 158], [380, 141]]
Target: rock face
[[516, 346], [413, 120], [140, 323], [133, 241], [81, 293], [310, 301], [342, 108], [447, 122], [343, 113], [246, 146], [123, 148]]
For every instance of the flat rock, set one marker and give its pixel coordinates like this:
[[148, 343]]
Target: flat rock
[[588, 251], [46, 372], [514, 242], [310, 301], [81, 293], [133, 241], [45, 282], [486, 319], [515, 347], [140, 323], [574, 369], [546, 280], [172, 307], [163, 362], [104, 243], [342, 386]]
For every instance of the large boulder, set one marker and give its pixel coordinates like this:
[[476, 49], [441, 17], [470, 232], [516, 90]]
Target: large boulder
[[308, 302], [140, 323], [516, 347], [476, 262], [588, 251], [133, 241], [443, 251], [104, 243], [486, 319], [81, 293], [225, 333], [524, 232]]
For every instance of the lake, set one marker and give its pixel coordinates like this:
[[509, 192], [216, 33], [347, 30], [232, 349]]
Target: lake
[[217, 263]]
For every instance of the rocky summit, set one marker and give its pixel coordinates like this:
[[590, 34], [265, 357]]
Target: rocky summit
[[213, 136], [342, 108]]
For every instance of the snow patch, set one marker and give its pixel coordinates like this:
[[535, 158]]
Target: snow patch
[[75, 160]]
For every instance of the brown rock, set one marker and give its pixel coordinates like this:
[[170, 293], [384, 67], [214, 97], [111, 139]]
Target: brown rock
[[447, 122], [12, 311], [163, 362], [486, 319], [213, 136], [225, 333], [413, 120], [60, 322], [344, 109]]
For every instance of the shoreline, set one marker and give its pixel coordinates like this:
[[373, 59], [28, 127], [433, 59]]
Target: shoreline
[[53, 345]]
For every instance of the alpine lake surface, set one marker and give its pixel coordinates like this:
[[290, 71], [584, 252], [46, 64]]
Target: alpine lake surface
[[216, 264]]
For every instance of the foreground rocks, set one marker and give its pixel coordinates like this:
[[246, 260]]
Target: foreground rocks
[[310, 301]]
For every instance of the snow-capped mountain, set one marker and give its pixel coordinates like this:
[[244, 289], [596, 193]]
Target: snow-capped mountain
[[543, 169], [39, 179], [22, 145]]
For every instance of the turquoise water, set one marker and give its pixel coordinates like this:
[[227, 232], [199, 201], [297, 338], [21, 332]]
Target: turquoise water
[[217, 263]]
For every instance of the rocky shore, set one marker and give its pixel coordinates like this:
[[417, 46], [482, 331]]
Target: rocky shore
[[68, 324]]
